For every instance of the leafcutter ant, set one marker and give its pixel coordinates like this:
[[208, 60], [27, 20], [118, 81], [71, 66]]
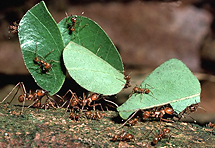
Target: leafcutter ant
[[93, 115], [36, 96], [122, 137], [71, 22], [158, 136], [128, 79], [211, 125], [13, 28], [22, 98], [88, 101], [44, 66], [190, 109], [158, 114], [133, 122], [139, 90]]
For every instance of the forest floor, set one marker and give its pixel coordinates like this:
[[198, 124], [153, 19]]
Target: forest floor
[[53, 127]]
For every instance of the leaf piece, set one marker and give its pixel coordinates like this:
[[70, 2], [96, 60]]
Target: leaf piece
[[171, 83], [38, 32], [90, 35], [92, 72]]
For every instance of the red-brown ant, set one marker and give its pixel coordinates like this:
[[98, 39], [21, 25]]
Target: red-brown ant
[[133, 122], [36, 97], [160, 135], [138, 90], [71, 22], [190, 109], [159, 114], [122, 137], [93, 115], [128, 79], [13, 28], [44, 66], [87, 101], [211, 125]]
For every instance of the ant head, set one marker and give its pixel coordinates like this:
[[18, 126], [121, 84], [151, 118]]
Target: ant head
[[147, 91], [94, 96]]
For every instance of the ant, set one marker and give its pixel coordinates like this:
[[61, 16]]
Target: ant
[[138, 90], [190, 109], [128, 79], [36, 97], [93, 115], [87, 101], [22, 98], [158, 114], [122, 137], [13, 28], [133, 122], [161, 113], [44, 66], [73, 20], [74, 101], [211, 125], [158, 136]]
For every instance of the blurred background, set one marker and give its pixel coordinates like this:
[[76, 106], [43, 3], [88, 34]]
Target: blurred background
[[146, 33]]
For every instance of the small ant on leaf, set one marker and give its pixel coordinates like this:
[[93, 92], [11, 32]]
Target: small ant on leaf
[[44, 66], [71, 22], [128, 79]]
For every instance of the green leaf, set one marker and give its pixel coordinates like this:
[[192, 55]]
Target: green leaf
[[90, 35], [171, 83], [91, 71], [38, 31]]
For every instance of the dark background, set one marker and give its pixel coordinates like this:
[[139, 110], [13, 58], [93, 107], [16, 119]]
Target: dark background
[[146, 33]]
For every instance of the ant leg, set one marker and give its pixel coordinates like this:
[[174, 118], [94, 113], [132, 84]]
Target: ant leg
[[33, 103], [48, 54], [94, 105], [18, 84], [23, 91], [83, 103], [73, 95]]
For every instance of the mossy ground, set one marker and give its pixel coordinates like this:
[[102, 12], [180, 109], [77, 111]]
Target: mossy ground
[[52, 127]]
